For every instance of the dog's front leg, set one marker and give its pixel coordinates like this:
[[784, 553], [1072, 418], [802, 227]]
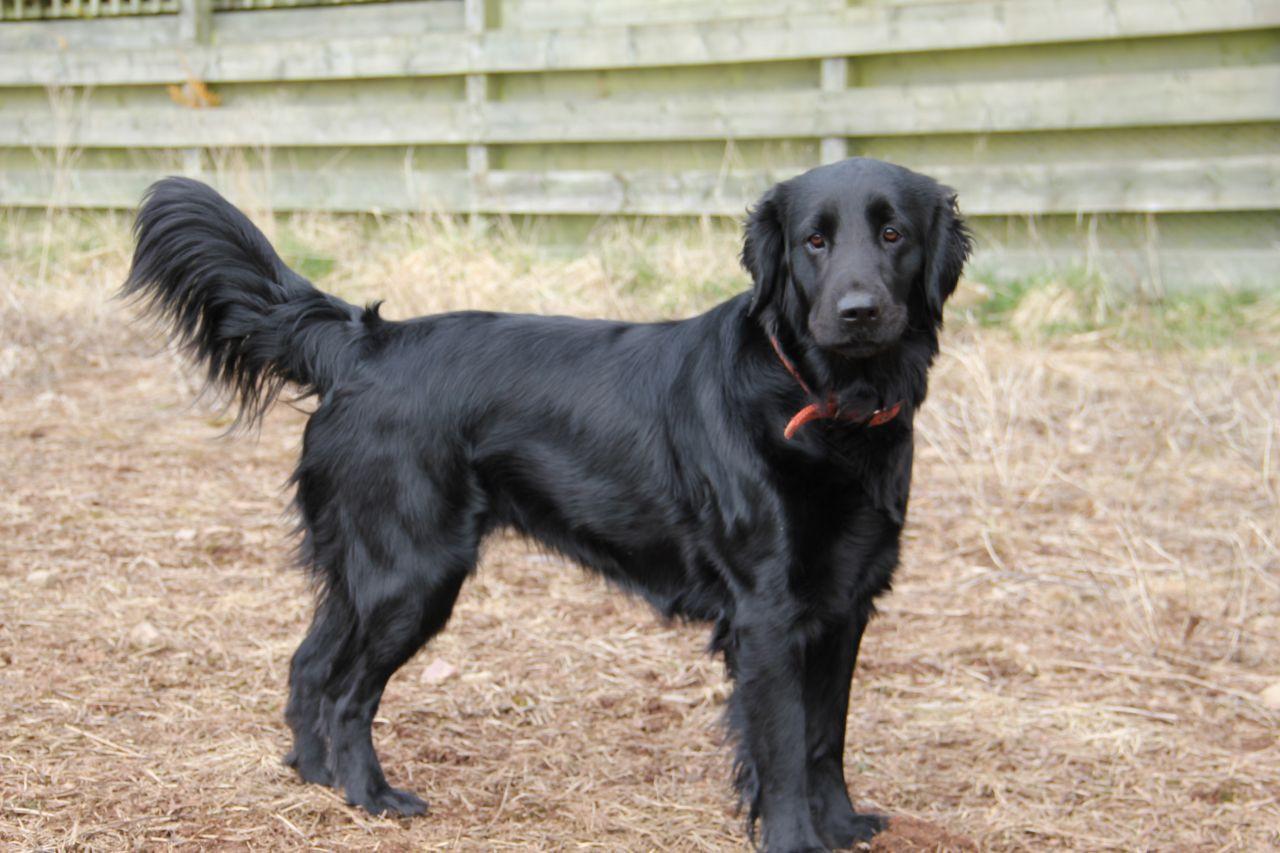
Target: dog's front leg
[[829, 662], [768, 713]]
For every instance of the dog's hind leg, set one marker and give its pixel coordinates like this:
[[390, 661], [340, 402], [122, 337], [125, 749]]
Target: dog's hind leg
[[307, 711], [399, 609]]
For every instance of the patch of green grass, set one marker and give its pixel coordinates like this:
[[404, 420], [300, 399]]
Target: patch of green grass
[[313, 267], [999, 301], [1055, 305], [1215, 315], [306, 258]]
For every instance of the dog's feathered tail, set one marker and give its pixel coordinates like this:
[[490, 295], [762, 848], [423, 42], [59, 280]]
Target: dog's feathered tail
[[202, 268]]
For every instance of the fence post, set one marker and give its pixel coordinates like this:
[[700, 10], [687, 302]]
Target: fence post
[[835, 78], [195, 21], [477, 93], [195, 26]]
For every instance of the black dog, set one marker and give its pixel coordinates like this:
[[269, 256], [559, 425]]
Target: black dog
[[749, 466]]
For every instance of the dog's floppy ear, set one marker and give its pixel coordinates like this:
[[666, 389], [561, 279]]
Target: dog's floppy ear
[[950, 244], [764, 248]]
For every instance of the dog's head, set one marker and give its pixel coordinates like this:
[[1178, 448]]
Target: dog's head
[[853, 254]]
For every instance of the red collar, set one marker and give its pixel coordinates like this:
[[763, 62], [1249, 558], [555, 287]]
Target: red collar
[[827, 410]]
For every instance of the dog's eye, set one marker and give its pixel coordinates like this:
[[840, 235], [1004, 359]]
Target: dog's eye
[[891, 235], [817, 241]]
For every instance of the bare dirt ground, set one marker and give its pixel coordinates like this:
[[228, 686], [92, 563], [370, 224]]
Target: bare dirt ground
[[1074, 657]]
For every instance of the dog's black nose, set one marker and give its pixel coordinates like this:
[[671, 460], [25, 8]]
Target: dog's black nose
[[858, 308]]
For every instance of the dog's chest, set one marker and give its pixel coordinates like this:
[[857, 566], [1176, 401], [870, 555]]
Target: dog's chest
[[845, 509]]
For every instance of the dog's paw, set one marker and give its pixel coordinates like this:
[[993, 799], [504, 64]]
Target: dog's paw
[[389, 801], [311, 769], [847, 829]]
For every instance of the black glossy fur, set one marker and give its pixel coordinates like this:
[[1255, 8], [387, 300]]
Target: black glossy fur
[[651, 453]]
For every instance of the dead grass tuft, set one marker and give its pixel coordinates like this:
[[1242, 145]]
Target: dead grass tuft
[[1087, 615]]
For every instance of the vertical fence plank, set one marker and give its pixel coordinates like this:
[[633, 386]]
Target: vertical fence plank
[[195, 25], [192, 162], [477, 94], [835, 77], [195, 20]]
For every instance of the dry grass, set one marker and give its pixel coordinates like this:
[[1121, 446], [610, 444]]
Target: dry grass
[[1088, 607]]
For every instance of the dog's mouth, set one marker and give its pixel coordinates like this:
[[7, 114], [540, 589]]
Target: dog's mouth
[[859, 349]]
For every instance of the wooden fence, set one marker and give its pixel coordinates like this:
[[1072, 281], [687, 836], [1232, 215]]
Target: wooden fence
[[1141, 136]]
